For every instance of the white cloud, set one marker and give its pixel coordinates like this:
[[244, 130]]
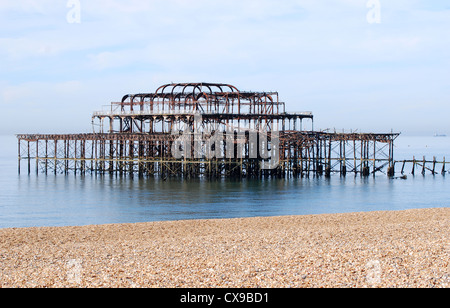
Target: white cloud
[[31, 94], [27, 6]]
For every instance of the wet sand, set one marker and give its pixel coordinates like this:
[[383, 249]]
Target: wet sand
[[377, 249]]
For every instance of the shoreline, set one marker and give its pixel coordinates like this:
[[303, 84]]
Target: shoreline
[[409, 248], [215, 219]]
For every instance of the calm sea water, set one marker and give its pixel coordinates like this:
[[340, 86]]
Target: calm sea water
[[69, 200]]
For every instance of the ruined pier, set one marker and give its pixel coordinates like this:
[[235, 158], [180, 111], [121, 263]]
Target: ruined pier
[[206, 130]]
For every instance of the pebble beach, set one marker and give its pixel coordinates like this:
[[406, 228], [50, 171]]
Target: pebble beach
[[375, 249]]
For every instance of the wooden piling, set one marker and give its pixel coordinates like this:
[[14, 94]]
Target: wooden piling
[[423, 166], [19, 157]]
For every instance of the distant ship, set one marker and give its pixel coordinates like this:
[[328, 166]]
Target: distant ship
[[440, 135]]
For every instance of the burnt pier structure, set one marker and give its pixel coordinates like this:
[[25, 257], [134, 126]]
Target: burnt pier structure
[[206, 130]]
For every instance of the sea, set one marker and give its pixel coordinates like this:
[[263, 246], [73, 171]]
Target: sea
[[39, 200]]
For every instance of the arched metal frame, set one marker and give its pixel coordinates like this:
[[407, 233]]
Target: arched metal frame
[[219, 104]]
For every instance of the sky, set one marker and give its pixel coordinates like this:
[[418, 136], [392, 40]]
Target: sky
[[365, 65]]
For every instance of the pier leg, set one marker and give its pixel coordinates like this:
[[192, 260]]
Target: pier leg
[[327, 172], [434, 165], [443, 167], [46, 156], [56, 155], [37, 156], [29, 159], [391, 171], [18, 157], [423, 166], [366, 171]]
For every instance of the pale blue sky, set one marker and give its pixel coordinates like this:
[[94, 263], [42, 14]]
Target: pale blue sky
[[321, 56]]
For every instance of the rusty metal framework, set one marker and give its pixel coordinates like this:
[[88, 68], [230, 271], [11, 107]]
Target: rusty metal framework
[[220, 105], [140, 134]]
